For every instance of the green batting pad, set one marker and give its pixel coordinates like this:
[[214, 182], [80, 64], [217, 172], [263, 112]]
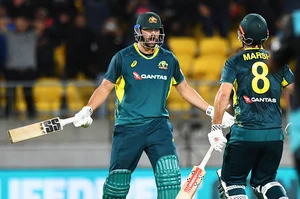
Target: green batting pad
[[167, 177], [117, 184]]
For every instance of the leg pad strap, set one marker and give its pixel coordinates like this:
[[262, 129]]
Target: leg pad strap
[[230, 192]]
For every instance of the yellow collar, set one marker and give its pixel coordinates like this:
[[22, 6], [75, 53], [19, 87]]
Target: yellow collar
[[253, 48], [156, 50]]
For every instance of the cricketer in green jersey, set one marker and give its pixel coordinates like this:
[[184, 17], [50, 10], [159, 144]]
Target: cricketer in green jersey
[[143, 74], [257, 133]]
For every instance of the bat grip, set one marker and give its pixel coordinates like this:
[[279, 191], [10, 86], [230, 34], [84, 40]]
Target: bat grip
[[206, 157], [68, 120]]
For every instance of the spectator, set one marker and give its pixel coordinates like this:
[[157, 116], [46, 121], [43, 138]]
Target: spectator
[[96, 12], [62, 6], [3, 50], [214, 13], [21, 62], [45, 48], [62, 25], [78, 49], [109, 42], [19, 7], [3, 29], [174, 23], [42, 13], [135, 8]]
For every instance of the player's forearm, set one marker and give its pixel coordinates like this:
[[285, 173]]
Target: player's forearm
[[98, 97], [220, 105], [290, 88]]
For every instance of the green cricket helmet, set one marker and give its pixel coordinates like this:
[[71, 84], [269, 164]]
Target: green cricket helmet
[[253, 30], [148, 20]]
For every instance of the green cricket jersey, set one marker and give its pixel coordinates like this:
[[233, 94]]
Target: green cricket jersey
[[143, 84], [257, 92]]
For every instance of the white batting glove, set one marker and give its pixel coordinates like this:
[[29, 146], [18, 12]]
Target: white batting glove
[[287, 129], [227, 120], [216, 137], [84, 117]]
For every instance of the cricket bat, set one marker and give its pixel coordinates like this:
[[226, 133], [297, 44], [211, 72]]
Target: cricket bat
[[195, 178], [38, 129]]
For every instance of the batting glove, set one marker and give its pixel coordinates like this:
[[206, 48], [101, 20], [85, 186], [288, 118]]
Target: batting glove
[[227, 120], [287, 129], [84, 117], [216, 137]]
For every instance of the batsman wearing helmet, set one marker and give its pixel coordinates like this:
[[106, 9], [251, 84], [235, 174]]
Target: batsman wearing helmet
[[255, 141], [142, 75]]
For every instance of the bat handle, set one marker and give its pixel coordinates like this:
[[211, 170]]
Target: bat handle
[[206, 157], [68, 120]]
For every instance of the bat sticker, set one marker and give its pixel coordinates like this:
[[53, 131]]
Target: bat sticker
[[50, 126]]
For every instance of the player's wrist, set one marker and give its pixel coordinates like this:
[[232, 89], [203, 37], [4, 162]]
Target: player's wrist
[[88, 110], [216, 127], [210, 111]]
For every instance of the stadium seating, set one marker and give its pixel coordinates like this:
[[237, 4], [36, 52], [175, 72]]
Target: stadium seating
[[176, 103], [214, 46], [183, 45], [208, 67], [208, 91], [73, 98], [185, 62], [47, 94]]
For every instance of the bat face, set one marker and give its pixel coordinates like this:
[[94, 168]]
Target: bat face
[[193, 181], [35, 130]]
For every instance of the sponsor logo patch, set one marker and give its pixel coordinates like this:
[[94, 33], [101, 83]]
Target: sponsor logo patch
[[163, 65], [137, 76], [152, 19], [251, 100], [247, 99], [133, 64]]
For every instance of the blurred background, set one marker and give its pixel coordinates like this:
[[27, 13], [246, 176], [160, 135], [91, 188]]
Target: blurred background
[[54, 53]]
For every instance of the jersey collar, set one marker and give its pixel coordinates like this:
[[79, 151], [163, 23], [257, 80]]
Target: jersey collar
[[250, 48], [156, 50]]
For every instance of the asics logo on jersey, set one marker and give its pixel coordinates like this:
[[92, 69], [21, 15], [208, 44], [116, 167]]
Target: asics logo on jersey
[[145, 76], [133, 64], [136, 76], [251, 100]]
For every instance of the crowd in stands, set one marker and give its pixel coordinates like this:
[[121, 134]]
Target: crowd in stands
[[67, 38]]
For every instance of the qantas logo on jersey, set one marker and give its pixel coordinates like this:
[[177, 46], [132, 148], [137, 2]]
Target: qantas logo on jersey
[[145, 76], [136, 76], [251, 100], [247, 99]]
